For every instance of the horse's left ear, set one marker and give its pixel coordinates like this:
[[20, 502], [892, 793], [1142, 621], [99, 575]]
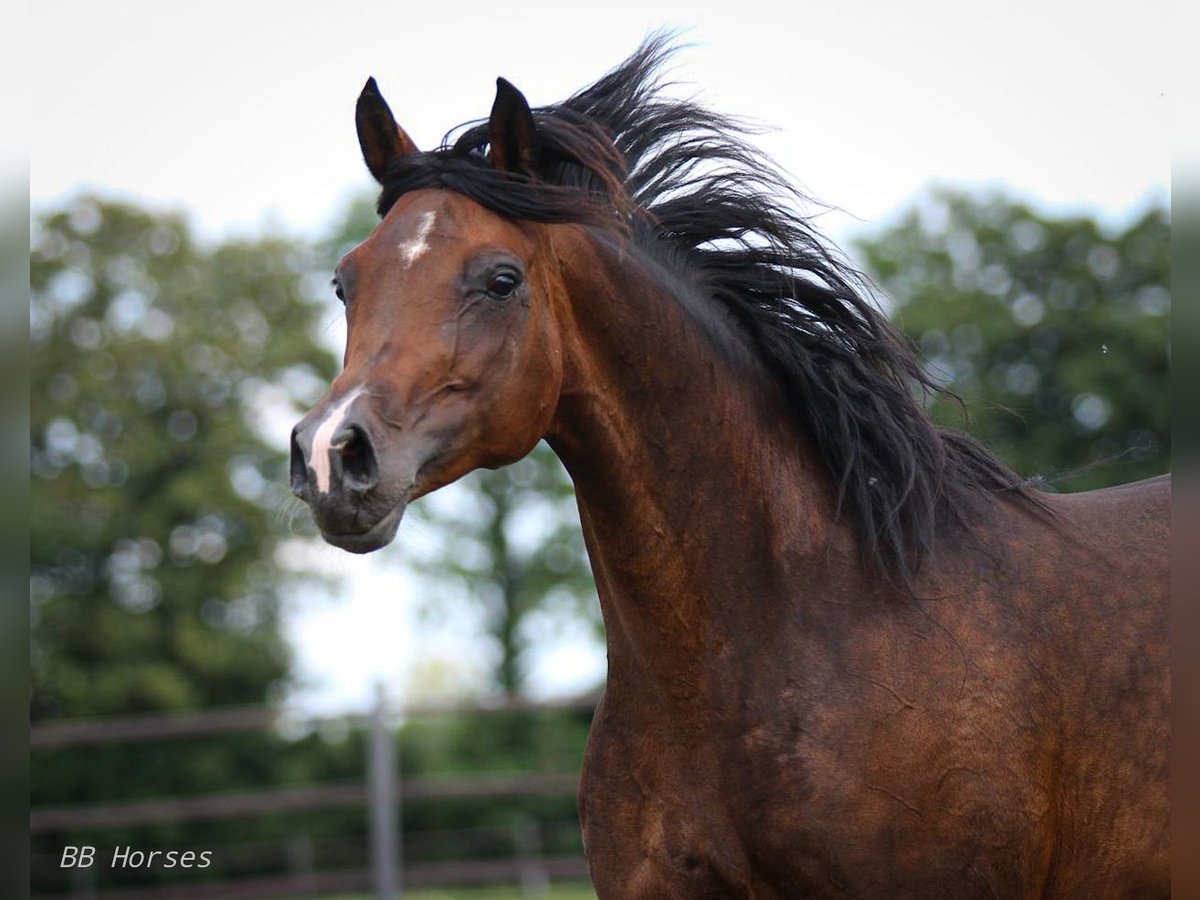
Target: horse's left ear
[[380, 138], [512, 133]]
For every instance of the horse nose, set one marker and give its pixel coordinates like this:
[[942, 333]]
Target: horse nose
[[329, 459], [354, 458], [299, 463]]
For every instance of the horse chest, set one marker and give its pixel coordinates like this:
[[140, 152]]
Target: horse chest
[[665, 814], [654, 825], [672, 813]]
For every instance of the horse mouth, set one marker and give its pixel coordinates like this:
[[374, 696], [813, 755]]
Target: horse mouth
[[374, 538]]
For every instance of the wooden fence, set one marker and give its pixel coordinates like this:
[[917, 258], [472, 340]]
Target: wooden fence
[[380, 791]]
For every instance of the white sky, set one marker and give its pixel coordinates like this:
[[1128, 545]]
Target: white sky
[[242, 113]]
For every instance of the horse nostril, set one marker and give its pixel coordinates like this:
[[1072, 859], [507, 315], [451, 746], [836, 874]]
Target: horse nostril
[[360, 469], [299, 470]]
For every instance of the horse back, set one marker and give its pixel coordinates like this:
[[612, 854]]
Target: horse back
[[1138, 513], [1100, 567]]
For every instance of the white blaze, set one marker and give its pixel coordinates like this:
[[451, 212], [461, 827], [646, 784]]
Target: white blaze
[[417, 245], [322, 439]]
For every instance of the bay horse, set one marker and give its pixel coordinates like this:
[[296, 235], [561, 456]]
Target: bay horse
[[851, 654]]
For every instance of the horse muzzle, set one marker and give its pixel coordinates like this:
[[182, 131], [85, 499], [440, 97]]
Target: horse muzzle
[[335, 469]]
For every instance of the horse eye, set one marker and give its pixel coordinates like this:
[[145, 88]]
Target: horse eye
[[502, 283]]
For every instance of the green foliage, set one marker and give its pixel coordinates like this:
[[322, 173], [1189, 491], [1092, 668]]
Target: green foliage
[[151, 537], [545, 740], [155, 494], [1054, 332], [517, 742], [510, 541]]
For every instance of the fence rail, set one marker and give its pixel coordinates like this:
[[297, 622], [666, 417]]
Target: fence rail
[[150, 727], [62, 733]]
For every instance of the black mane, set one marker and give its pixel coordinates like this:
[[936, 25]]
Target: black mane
[[622, 155]]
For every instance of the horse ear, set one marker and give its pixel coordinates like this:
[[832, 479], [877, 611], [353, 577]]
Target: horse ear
[[380, 138], [512, 133]]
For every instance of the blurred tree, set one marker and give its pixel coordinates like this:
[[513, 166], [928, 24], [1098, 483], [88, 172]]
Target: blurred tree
[[165, 377], [510, 540], [545, 741], [154, 585], [1055, 332], [507, 540]]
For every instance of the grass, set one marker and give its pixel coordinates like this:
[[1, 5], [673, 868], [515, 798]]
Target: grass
[[556, 892]]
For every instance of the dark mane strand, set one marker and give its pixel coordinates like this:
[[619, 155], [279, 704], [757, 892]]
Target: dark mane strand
[[676, 176]]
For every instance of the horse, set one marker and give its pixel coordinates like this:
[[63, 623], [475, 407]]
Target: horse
[[850, 653]]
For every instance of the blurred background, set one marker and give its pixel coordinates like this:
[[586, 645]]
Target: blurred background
[[206, 674]]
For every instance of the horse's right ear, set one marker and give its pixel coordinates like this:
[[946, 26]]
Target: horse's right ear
[[380, 138]]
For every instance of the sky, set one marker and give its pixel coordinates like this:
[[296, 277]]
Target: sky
[[241, 114]]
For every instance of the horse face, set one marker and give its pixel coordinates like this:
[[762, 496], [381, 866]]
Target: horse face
[[451, 364]]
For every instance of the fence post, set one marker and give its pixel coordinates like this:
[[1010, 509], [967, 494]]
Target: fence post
[[83, 883], [299, 854], [527, 842], [384, 799]]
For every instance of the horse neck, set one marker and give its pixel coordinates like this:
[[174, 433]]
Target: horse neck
[[702, 507]]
